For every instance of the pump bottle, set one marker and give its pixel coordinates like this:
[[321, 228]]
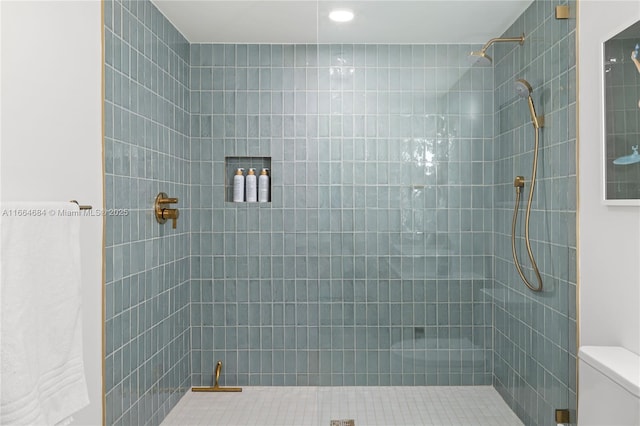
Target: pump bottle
[[251, 186], [238, 186], [263, 186]]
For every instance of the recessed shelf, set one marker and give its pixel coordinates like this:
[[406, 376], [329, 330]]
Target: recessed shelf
[[233, 163]]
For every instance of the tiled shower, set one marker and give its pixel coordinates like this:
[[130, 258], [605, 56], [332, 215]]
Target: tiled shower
[[382, 258], [365, 253], [535, 333]]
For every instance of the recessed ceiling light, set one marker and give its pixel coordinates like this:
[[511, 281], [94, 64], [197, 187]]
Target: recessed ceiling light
[[341, 15]]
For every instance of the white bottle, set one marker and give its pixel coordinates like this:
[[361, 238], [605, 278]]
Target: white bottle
[[252, 187], [238, 186], [263, 186]]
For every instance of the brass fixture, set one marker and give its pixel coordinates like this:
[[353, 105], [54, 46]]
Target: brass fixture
[[165, 200], [172, 214], [163, 213], [216, 387], [562, 416], [562, 12], [82, 206], [481, 58], [524, 89], [518, 182]]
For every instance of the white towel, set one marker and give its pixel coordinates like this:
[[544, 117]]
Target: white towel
[[41, 366]]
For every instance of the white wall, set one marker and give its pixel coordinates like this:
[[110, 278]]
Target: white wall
[[51, 146], [609, 263]]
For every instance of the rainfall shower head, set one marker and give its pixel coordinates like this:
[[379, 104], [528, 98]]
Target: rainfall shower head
[[480, 57], [524, 90]]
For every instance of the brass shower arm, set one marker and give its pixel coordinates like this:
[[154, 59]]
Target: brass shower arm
[[519, 40]]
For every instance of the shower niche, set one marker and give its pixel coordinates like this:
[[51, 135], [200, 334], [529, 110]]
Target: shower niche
[[621, 78], [232, 164]]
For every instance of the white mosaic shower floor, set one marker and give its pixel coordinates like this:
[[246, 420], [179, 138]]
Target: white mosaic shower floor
[[367, 406]]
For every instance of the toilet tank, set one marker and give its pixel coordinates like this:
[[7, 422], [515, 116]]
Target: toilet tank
[[609, 387]]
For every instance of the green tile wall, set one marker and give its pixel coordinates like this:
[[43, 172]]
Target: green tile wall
[[535, 333], [147, 265], [370, 266], [383, 257]]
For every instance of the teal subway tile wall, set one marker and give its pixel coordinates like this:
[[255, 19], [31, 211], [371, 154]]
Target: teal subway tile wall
[[535, 333], [369, 264], [147, 265], [383, 256]]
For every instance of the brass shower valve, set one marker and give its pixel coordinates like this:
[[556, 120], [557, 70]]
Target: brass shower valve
[[164, 213]]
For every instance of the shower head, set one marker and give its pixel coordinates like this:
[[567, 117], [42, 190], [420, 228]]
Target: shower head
[[524, 90], [480, 57]]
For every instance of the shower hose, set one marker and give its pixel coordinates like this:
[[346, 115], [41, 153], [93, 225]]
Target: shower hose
[[519, 184]]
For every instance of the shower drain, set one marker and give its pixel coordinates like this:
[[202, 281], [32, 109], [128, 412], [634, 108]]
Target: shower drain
[[343, 422]]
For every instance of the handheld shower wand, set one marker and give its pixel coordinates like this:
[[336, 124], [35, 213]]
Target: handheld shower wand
[[524, 89]]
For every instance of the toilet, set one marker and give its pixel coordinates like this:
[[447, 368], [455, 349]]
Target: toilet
[[609, 386]]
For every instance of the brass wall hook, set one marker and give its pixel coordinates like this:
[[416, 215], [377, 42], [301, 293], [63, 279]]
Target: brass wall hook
[[163, 213]]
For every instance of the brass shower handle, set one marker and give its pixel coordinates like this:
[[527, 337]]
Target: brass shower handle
[[166, 200], [163, 213], [172, 214]]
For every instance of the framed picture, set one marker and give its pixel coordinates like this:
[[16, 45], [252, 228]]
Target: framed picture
[[622, 117]]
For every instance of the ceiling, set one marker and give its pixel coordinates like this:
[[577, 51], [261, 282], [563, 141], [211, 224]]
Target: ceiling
[[376, 21]]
